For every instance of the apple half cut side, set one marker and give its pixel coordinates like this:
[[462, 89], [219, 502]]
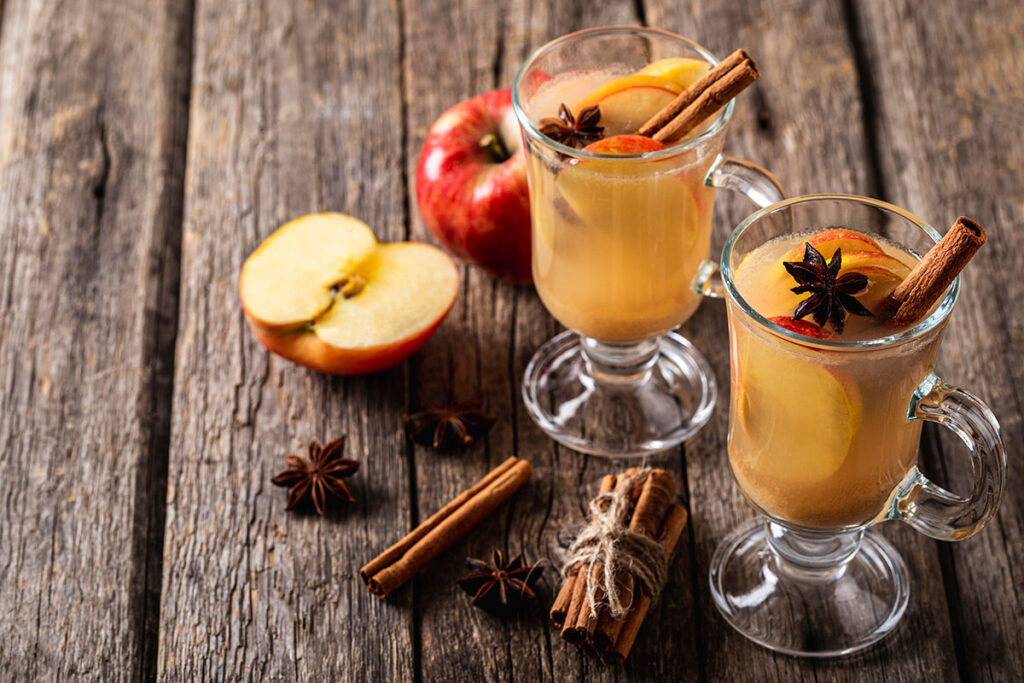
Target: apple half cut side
[[323, 292]]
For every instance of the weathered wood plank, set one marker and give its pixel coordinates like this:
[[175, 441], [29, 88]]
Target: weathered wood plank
[[482, 350], [949, 109], [296, 108], [92, 140], [803, 120]]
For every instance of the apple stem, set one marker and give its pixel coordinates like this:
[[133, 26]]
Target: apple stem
[[491, 143]]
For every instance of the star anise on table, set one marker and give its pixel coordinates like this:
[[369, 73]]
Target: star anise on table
[[574, 131], [831, 296], [318, 477], [444, 428], [500, 587]]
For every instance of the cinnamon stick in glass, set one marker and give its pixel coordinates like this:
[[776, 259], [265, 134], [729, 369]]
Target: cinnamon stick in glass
[[711, 92], [927, 282], [396, 565]]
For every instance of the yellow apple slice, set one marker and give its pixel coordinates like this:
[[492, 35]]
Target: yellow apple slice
[[682, 71], [628, 102], [797, 411], [322, 292], [287, 281]]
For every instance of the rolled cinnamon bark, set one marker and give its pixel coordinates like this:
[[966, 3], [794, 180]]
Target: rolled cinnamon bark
[[626, 631], [927, 282], [657, 495], [396, 565]]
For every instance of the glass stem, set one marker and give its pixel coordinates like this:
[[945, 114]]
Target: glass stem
[[810, 554], [620, 363]]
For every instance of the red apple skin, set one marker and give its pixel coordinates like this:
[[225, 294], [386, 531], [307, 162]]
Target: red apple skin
[[476, 205], [620, 145], [807, 329], [307, 349]]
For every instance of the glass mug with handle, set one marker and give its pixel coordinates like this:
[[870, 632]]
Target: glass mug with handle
[[620, 240], [823, 438]]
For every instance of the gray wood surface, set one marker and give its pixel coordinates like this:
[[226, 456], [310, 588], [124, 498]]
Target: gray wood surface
[[92, 142], [141, 422]]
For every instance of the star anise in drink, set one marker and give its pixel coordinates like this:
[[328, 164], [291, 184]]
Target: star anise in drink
[[444, 428], [831, 296], [574, 131], [500, 587], [318, 477]]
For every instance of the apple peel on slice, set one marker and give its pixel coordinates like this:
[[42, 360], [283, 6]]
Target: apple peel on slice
[[323, 292]]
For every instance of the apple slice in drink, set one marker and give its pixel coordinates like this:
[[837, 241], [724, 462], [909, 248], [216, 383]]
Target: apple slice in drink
[[802, 446], [829, 240], [322, 292], [682, 71], [628, 102]]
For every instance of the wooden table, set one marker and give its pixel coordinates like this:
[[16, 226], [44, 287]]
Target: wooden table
[[147, 146]]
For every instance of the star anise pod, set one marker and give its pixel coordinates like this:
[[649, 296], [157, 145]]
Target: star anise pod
[[458, 424], [831, 296], [574, 131], [499, 587], [318, 477]]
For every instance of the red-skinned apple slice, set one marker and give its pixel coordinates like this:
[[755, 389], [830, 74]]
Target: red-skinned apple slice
[[621, 145], [827, 241], [322, 292], [802, 327], [628, 102]]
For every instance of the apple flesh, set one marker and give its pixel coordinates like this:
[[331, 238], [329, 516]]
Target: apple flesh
[[323, 292], [471, 186], [628, 102]]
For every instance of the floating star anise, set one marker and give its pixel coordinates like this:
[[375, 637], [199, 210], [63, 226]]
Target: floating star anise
[[831, 296], [499, 587], [574, 131], [458, 424], [318, 477]]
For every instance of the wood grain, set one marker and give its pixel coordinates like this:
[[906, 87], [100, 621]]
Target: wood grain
[[91, 156], [296, 107], [949, 107], [803, 120]]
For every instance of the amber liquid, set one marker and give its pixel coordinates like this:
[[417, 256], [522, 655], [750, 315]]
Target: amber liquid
[[818, 437], [616, 244]]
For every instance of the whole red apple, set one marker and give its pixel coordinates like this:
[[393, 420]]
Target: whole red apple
[[471, 186]]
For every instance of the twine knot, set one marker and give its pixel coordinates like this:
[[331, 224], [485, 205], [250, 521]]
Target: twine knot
[[608, 543]]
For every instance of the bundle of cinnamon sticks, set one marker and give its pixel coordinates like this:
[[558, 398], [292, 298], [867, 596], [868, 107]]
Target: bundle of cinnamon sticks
[[653, 514]]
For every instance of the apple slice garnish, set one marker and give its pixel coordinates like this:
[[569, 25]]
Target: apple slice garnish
[[800, 415], [628, 102], [682, 71], [622, 145], [323, 292], [803, 327], [828, 241]]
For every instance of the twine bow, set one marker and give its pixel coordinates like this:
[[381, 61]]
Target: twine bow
[[607, 541]]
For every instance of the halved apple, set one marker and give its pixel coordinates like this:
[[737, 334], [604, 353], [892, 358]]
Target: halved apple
[[628, 102], [682, 71], [323, 292]]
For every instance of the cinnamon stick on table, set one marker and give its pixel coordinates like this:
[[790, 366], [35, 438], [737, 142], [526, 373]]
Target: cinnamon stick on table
[[624, 638], [396, 565], [711, 92], [927, 282]]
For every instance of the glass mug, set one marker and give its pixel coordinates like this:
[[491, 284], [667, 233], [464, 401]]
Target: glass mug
[[807, 577], [619, 245]]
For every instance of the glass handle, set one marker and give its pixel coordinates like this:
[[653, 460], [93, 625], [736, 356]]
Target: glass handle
[[747, 178], [931, 509]]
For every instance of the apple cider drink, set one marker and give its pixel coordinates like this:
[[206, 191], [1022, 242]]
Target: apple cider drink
[[617, 241], [819, 438]]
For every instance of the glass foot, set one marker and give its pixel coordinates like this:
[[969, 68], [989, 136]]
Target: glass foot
[[809, 594], [619, 400]]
